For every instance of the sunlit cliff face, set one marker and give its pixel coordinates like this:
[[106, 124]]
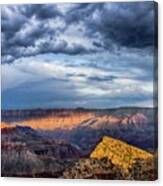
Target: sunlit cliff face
[[5, 125], [73, 120], [57, 122]]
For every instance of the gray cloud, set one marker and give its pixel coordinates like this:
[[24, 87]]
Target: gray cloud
[[90, 55], [42, 11], [106, 26], [130, 27], [105, 78]]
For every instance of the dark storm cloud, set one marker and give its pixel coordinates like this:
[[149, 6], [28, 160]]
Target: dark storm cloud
[[41, 11], [29, 38], [101, 79], [108, 26], [78, 55], [17, 18], [81, 12], [61, 47], [126, 24]]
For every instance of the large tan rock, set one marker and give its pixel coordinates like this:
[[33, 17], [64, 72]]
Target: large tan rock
[[120, 153]]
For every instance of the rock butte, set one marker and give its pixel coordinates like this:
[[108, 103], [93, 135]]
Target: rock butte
[[119, 152]]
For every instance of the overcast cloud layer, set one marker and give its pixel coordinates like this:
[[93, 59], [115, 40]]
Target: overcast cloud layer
[[77, 55]]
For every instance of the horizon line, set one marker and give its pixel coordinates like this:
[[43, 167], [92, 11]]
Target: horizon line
[[81, 108]]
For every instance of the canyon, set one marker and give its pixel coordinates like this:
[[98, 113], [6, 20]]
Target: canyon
[[53, 140]]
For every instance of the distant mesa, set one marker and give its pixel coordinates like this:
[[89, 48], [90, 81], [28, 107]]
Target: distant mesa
[[137, 120]]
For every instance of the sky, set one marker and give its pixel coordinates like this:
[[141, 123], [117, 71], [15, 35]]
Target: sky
[[91, 55]]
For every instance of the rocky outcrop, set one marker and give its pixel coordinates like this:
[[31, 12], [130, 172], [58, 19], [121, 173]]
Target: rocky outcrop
[[118, 152], [93, 169], [113, 159]]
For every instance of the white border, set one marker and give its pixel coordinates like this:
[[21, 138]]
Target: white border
[[41, 181]]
